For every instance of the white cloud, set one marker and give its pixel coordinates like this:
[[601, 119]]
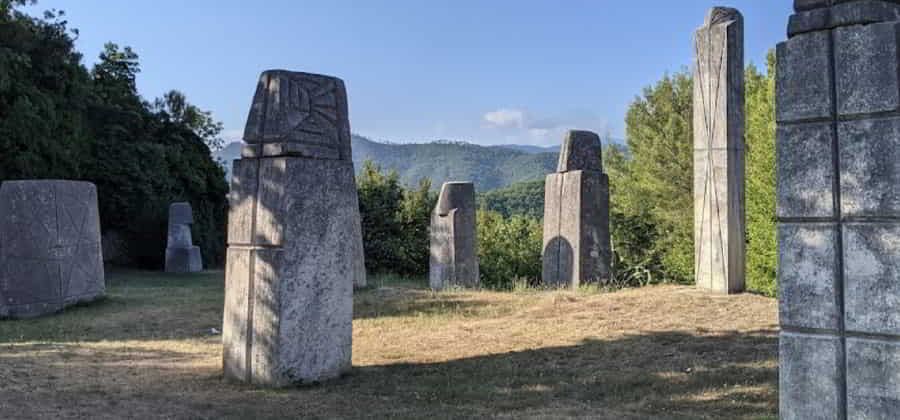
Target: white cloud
[[505, 118]]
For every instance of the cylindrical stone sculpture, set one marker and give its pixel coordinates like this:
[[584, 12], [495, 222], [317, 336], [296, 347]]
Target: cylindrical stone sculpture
[[454, 258], [577, 247], [719, 215], [294, 236], [838, 210], [50, 253], [181, 254]]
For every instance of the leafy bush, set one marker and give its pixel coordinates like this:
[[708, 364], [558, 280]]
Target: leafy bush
[[509, 249]]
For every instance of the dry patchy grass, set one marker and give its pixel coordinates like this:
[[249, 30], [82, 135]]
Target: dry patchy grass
[[658, 352]]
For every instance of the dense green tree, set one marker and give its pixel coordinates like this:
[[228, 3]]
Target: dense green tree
[[762, 248], [509, 249], [523, 198], [660, 180], [175, 106]]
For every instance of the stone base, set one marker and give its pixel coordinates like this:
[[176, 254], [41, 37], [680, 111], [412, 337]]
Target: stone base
[[577, 247], [184, 260], [294, 255]]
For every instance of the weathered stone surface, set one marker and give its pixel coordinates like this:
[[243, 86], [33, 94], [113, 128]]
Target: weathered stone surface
[[577, 246], [849, 325], [581, 150], [873, 379], [810, 379], [454, 258], [295, 242], [181, 254], [50, 250], [804, 78], [870, 167], [808, 276], [805, 170], [871, 270], [719, 152], [866, 67], [300, 114]]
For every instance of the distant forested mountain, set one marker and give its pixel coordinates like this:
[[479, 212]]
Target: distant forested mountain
[[489, 167], [524, 199]]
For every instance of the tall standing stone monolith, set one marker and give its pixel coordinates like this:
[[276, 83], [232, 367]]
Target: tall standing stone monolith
[[50, 252], [577, 246], [719, 218], [454, 259], [182, 256], [294, 236], [838, 210]]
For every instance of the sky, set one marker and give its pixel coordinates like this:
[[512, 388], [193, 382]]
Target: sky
[[486, 72]]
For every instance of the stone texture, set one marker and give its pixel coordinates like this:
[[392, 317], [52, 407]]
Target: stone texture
[[805, 171], [577, 246], [294, 238], [873, 379], [719, 217], [839, 231], [808, 276], [454, 258], [50, 249], [181, 254], [870, 167], [810, 381]]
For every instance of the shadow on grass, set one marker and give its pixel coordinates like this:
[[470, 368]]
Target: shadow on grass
[[653, 375]]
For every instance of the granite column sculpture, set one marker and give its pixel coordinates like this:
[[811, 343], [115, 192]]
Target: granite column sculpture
[[182, 256], [454, 258], [838, 210], [50, 253], [577, 246], [719, 215], [294, 236]]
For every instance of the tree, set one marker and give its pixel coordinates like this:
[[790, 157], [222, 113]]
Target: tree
[[175, 107]]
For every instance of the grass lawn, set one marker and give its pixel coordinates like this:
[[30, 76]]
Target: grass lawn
[[150, 351]]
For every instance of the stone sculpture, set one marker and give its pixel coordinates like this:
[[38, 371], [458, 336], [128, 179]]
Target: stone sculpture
[[577, 246], [181, 254], [294, 236], [454, 261], [50, 253], [838, 210], [719, 215]]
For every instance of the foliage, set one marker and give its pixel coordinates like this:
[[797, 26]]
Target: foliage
[[762, 248], [658, 185], [395, 222], [509, 249], [523, 198], [59, 120]]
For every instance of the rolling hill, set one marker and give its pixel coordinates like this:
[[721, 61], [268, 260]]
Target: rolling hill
[[489, 167]]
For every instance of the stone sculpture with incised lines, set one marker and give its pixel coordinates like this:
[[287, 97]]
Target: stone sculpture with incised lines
[[50, 254], [577, 246], [719, 215], [838, 210], [454, 259], [294, 236], [182, 256]]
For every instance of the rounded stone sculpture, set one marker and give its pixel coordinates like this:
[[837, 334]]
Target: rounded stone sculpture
[[50, 253], [181, 254], [454, 261]]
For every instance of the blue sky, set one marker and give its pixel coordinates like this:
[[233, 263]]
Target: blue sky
[[488, 72]]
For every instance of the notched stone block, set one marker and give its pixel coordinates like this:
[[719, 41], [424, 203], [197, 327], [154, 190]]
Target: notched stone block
[[453, 249], [866, 65], [300, 109], [843, 13], [873, 379], [870, 167], [810, 377], [805, 170], [581, 150], [871, 273], [809, 294], [803, 78]]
